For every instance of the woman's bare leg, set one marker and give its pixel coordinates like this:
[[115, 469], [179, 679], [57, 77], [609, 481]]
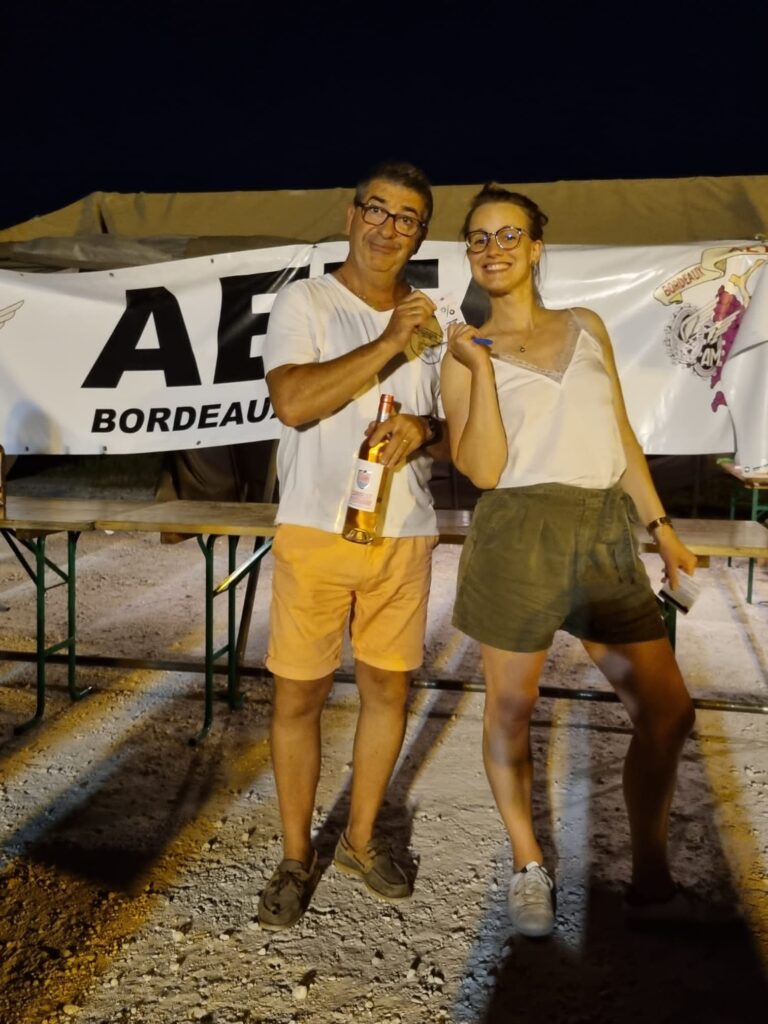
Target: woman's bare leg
[[647, 679], [511, 691]]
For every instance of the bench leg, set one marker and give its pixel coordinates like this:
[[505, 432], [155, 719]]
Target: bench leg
[[206, 546], [758, 514], [74, 692], [261, 546], [234, 697], [38, 548], [750, 579], [43, 652], [211, 654], [732, 514]]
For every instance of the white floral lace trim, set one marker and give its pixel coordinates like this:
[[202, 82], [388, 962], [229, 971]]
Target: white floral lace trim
[[566, 356]]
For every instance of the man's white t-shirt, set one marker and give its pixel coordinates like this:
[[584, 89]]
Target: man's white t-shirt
[[314, 321]]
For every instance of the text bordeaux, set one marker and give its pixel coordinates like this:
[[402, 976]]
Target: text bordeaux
[[183, 417]]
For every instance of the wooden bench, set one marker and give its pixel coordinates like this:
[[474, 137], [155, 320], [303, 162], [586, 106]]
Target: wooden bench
[[756, 488], [26, 523], [29, 521]]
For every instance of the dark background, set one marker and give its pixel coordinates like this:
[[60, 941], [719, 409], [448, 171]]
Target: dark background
[[168, 97]]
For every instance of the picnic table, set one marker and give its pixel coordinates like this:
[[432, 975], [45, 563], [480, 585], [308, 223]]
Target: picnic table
[[27, 522]]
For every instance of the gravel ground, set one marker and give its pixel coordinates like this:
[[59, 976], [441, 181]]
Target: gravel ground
[[132, 863]]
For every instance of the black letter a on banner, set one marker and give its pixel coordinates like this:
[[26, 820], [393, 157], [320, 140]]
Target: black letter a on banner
[[174, 356]]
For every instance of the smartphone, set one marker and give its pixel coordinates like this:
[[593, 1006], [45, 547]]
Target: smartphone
[[684, 594]]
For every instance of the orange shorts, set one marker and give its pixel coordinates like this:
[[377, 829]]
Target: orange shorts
[[321, 580]]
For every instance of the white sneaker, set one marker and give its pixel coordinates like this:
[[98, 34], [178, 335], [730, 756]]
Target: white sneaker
[[531, 901]]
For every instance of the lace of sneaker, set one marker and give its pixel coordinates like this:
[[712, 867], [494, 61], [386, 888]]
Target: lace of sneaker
[[528, 886]]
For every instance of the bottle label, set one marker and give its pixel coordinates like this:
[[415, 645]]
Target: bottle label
[[365, 489]]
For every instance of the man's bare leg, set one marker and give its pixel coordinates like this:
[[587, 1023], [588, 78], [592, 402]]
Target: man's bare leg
[[378, 739], [296, 754]]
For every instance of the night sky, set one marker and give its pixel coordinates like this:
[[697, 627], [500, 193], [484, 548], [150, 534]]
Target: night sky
[[166, 97]]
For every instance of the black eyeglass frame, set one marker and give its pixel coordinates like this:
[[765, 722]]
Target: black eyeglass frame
[[421, 225], [495, 235]]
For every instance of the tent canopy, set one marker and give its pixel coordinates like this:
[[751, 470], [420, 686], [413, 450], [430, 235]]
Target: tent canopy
[[132, 228]]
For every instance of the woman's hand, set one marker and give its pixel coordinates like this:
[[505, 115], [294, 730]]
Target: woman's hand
[[674, 554], [464, 348]]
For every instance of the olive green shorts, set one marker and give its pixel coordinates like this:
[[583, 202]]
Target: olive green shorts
[[548, 557]]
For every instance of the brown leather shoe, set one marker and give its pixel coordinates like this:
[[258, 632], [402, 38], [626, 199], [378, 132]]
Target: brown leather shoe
[[375, 866], [287, 894]]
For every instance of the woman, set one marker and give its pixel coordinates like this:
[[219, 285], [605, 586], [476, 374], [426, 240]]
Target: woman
[[537, 419]]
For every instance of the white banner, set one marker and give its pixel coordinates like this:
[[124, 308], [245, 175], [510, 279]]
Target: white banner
[[168, 356]]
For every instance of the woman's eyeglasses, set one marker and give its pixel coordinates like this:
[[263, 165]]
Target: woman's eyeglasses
[[507, 237]]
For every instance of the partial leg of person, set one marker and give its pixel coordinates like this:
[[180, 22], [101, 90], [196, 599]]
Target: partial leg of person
[[312, 587], [378, 739], [387, 627], [511, 692], [296, 754], [310, 604], [647, 679], [295, 735], [512, 688]]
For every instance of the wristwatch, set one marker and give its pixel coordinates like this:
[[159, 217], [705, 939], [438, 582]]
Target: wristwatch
[[656, 523], [435, 428]]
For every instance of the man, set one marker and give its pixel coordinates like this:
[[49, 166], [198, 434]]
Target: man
[[333, 344]]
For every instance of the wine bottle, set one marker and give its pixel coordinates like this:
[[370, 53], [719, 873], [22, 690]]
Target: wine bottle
[[369, 485]]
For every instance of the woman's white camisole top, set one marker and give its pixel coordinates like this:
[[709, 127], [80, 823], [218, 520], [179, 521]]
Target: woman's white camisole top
[[560, 424]]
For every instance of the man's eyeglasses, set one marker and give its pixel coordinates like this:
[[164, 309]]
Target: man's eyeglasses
[[507, 237], [404, 223]]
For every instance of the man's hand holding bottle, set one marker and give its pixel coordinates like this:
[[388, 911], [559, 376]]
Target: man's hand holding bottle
[[405, 433]]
